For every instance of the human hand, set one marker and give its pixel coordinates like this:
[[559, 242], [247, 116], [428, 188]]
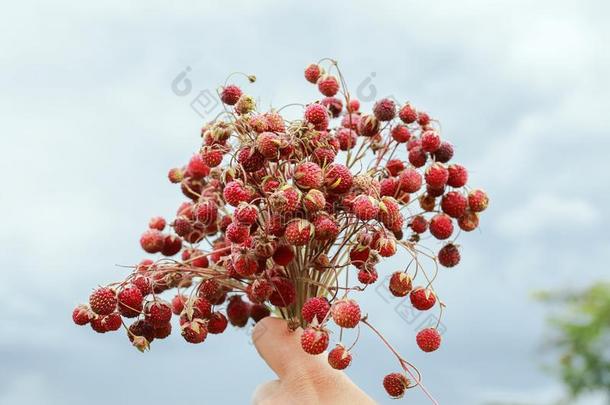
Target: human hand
[[303, 378]]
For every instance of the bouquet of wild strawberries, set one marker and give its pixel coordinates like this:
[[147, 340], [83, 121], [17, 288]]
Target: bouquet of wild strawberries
[[280, 214]]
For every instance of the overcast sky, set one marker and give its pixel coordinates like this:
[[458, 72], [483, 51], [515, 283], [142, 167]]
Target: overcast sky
[[89, 127]]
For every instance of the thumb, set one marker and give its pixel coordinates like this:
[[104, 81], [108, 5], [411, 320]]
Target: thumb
[[281, 349]]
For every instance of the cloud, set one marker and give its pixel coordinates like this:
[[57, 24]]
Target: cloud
[[548, 212]]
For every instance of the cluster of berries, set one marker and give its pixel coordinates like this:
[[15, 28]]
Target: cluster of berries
[[280, 212]]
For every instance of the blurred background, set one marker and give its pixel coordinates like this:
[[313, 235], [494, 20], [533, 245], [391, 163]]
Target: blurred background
[[91, 123]]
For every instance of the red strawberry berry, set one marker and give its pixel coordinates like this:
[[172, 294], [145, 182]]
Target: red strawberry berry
[[326, 228], [419, 224], [283, 255], [315, 308], [178, 303], [194, 331], [444, 153], [317, 115], [401, 134], [428, 339], [368, 126], [103, 301], [312, 73], [422, 298], [423, 119], [395, 166], [430, 141], [314, 340], [238, 311], [407, 114], [230, 94], [401, 284], [234, 193], [157, 223], [396, 384], [458, 176], [449, 255], [441, 226], [478, 200], [339, 358], [284, 292], [334, 105], [237, 233], [437, 175], [82, 315], [384, 109], [299, 232], [454, 204], [338, 179], [268, 144], [158, 313], [328, 85], [250, 159], [314, 201], [152, 241], [365, 207], [469, 221], [367, 275], [346, 313], [130, 301], [308, 175], [171, 245], [211, 156], [410, 180], [417, 157], [217, 323], [245, 213]]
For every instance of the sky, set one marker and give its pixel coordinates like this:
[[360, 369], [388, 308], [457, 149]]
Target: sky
[[90, 126]]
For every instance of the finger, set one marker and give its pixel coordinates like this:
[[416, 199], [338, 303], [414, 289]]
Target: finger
[[265, 393], [281, 349]]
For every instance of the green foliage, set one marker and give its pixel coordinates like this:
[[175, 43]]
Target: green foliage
[[581, 334]]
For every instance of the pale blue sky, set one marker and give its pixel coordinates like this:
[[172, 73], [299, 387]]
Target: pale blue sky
[[89, 127]]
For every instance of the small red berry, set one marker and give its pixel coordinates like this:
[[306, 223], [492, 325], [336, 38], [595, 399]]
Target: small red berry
[[230, 94], [158, 313], [401, 284], [315, 308], [217, 323], [395, 384], [328, 85], [454, 204], [441, 226], [157, 223], [314, 340], [437, 175], [478, 200], [152, 241], [449, 255], [299, 232], [384, 109], [422, 298], [308, 175], [312, 73], [194, 331], [130, 301], [430, 141], [469, 221], [401, 133], [339, 358], [103, 301], [407, 114], [458, 176], [346, 313], [317, 115], [428, 339], [82, 315]]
